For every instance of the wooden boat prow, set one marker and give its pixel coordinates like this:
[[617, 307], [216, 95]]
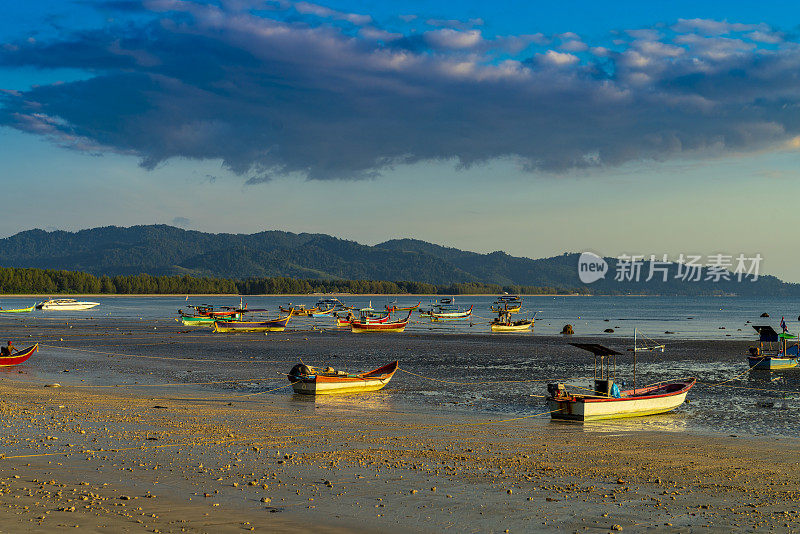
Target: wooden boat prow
[[309, 380], [19, 356]]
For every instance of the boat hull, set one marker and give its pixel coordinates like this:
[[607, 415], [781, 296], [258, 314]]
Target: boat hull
[[18, 357], [19, 310], [451, 316], [378, 327], [73, 306], [232, 327], [512, 327], [331, 385], [647, 401], [766, 363]]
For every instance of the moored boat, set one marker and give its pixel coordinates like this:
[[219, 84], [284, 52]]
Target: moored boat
[[18, 310], [451, 315], [66, 305], [503, 323], [770, 358], [511, 326], [649, 400], [607, 401], [366, 325], [308, 380], [299, 311], [19, 356], [394, 307], [365, 315], [229, 327]]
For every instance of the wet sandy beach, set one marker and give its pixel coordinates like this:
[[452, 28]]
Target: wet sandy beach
[[232, 456]]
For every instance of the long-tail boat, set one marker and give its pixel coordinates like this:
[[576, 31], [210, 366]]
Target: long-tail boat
[[366, 325], [607, 401], [274, 325], [19, 356], [395, 308], [507, 303], [299, 310], [18, 310], [451, 315], [308, 380], [367, 314], [785, 356], [206, 315], [503, 323]]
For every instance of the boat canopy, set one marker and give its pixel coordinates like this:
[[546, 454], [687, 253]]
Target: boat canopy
[[597, 350], [766, 334]]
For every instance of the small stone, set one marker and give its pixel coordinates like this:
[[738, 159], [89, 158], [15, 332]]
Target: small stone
[[266, 500]]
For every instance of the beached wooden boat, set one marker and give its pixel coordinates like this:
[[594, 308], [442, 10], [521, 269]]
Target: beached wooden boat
[[649, 400], [308, 380], [511, 326], [367, 325], [19, 356], [231, 327], [18, 310], [607, 401], [503, 323], [770, 358]]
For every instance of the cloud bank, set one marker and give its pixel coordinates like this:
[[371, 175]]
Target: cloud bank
[[302, 88]]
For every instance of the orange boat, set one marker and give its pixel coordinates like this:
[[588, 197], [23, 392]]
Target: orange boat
[[18, 357], [361, 325], [308, 380]]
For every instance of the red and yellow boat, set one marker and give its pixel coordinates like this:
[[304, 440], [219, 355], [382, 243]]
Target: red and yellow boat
[[19, 356], [308, 380], [371, 325]]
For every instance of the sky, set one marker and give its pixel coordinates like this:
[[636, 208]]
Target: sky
[[530, 127]]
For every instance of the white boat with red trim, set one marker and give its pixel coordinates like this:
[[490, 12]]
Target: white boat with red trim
[[606, 401]]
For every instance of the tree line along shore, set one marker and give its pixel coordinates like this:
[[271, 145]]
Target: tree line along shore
[[22, 281]]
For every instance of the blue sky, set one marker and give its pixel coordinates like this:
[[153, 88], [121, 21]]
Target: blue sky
[[530, 127]]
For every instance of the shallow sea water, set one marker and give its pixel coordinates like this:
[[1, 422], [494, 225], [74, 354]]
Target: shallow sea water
[[498, 376]]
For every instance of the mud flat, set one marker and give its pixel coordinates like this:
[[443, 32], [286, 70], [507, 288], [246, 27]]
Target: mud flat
[[142, 437], [136, 461]]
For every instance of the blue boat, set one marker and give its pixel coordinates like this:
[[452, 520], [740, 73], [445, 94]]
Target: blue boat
[[785, 356]]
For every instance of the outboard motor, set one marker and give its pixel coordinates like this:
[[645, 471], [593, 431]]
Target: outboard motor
[[299, 371], [556, 390]]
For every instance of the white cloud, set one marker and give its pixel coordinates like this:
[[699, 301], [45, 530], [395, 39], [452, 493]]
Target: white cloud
[[558, 58], [453, 39]]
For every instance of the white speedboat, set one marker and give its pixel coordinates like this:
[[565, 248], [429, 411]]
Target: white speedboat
[[66, 305]]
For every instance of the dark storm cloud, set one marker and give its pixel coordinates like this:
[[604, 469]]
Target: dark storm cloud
[[270, 97]]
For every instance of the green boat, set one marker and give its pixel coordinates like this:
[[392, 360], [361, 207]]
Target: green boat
[[18, 310]]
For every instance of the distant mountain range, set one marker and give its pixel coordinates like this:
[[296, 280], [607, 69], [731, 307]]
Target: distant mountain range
[[166, 250]]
